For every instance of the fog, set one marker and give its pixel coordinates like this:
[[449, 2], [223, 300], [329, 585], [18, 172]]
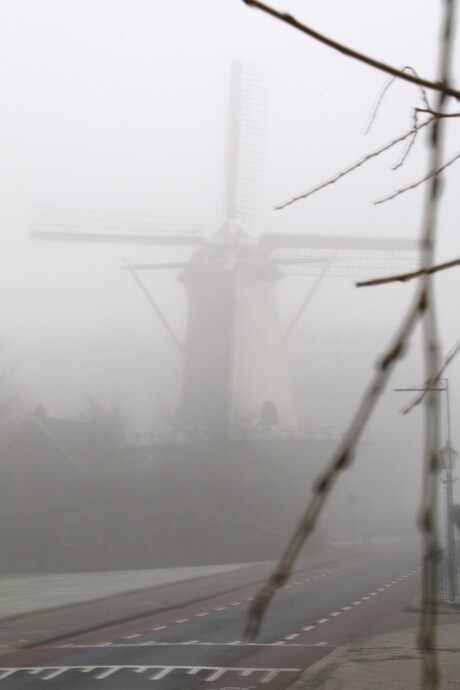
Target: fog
[[123, 107]]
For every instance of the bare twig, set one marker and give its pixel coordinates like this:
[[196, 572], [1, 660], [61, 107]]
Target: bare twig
[[409, 145], [349, 52], [414, 185], [383, 92], [354, 166], [433, 380], [404, 277], [436, 114]]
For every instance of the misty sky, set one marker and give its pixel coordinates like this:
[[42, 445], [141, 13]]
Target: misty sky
[[122, 106]]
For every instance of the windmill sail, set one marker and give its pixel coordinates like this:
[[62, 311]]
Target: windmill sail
[[246, 141]]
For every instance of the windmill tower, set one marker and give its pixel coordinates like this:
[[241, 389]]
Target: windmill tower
[[234, 363]]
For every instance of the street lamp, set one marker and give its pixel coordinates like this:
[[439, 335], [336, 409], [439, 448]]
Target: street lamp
[[448, 456]]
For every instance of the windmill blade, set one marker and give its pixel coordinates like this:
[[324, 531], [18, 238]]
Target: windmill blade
[[115, 238], [154, 267], [75, 225], [246, 141], [345, 256], [278, 240]]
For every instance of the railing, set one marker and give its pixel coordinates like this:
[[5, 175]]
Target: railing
[[449, 578]]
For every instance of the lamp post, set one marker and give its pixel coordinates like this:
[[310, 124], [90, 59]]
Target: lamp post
[[448, 456]]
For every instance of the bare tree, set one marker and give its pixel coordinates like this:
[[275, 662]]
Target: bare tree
[[422, 310]]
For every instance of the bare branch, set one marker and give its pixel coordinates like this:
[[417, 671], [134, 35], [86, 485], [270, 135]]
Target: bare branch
[[409, 144], [433, 380], [383, 92], [355, 166], [289, 19], [434, 113], [422, 308], [404, 277], [414, 185]]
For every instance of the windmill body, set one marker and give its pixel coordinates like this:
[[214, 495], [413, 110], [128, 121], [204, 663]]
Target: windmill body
[[234, 368]]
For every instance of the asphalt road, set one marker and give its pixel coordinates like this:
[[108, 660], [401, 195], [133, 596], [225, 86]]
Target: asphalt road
[[201, 645]]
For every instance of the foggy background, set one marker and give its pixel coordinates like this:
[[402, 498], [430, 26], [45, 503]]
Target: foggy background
[[123, 107]]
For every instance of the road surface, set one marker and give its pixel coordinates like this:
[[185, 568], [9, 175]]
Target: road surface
[[201, 645]]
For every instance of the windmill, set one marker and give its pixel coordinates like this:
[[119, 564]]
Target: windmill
[[233, 353]]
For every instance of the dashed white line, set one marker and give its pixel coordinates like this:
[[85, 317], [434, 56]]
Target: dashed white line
[[291, 637], [160, 627], [335, 613], [308, 627], [182, 620], [322, 620]]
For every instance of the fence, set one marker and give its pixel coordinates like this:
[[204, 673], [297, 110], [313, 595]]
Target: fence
[[449, 577]]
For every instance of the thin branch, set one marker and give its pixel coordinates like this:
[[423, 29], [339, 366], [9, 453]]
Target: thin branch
[[383, 92], [409, 145], [404, 277], [436, 114], [433, 380], [354, 166], [289, 19], [414, 185]]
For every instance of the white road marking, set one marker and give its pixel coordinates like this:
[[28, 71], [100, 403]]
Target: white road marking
[[182, 620], [160, 627], [108, 672], [322, 620], [54, 674], [309, 627], [236, 603], [291, 637], [222, 608], [357, 603], [199, 615], [217, 674], [7, 672], [365, 598], [163, 673], [130, 637], [197, 643], [335, 613], [346, 608]]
